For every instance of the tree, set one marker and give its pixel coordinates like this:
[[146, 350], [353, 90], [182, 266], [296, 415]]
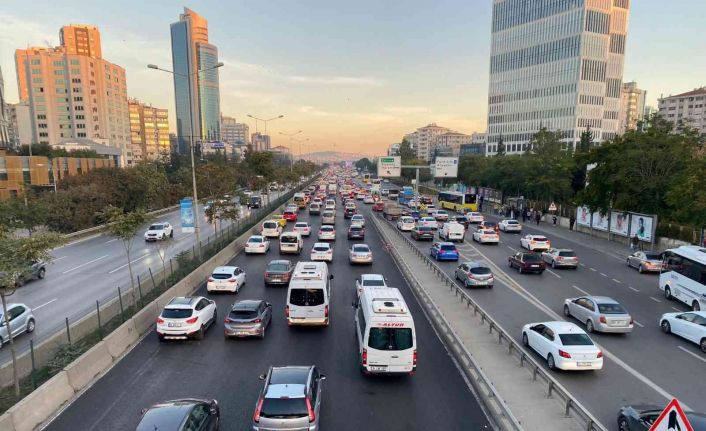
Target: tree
[[124, 226], [16, 257], [501, 146], [18, 214], [578, 181], [365, 165], [407, 153]]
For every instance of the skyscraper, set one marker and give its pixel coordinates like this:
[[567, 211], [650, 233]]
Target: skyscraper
[[191, 53], [556, 64]]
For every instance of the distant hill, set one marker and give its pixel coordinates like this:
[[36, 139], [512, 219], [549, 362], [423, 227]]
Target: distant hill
[[334, 156]]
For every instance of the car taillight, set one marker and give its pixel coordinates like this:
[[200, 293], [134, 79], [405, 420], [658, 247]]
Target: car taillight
[[160, 320], [228, 320], [599, 355], [232, 280], [192, 320], [256, 415], [602, 319], [632, 320], [257, 321], [564, 354], [533, 242], [364, 358], [262, 245], [286, 311], [267, 274], [559, 258], [210, 279], [414, 358], [326, 311], [312, 415]]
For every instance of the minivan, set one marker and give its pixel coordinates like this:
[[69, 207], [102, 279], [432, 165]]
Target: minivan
[[308, 294], [328, 217], [291, 242], [452, 231], [271, 229]]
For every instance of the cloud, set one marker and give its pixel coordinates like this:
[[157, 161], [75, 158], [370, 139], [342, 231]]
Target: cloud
[[356, 81], [406, 110], [310, 110]]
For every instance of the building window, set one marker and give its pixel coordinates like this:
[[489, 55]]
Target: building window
[[36, 71], [35, 61]]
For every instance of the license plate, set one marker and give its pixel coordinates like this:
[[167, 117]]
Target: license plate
[[373, 368], [619, 323], [583, 364], [241, 333], [535, 266], [174, 325]]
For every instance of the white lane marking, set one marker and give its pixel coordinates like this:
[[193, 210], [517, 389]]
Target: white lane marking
[[579, 289], [638, 323], [582, 264], [692, 354], [111, 240], [553, 273], [511, 248], [132, 261], [84, 264], [632, 288], [676, 309], [46, 303], [58, 258], [592, 269], [654, 299], [617, 281], [603, 274]]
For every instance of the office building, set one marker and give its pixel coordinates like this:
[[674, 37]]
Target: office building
[[234, 133], [149, 131], [426, 140], [632, 106], [393, 150], [260, 142], [555, 64], [449, 143], [412, 139], [685, 109], [281, 154], [73, 92], [196, 89], [20, 123], [6, 141]]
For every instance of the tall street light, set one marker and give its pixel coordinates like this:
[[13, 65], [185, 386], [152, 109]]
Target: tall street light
[[300, 141], [291, 148], [191, 141], [264, 121]]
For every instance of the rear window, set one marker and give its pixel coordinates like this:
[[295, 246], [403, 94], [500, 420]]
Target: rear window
[[300, 225], [321, 248], [283, 408], [390, 338], [176, 313], [306, 297], [221, 276], [567, 254], [481, 270], [539, 238], [424, 229], [488, 232], [575, 340], [243, 314], [532, 257], [490, 223], [356, 228], [653, 256], [255, 239], [270, 225], [361, 249], [512, 222], [611, 309], [328, 214], [277, 267], [448, 247], [288, 239], [327, 228]]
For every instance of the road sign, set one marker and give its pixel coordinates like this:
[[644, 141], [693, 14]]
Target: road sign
[[672, 419], [446, 167], [389, 166], [552, 206]]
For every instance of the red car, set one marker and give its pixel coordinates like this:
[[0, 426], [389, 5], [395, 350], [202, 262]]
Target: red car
[[290, 216], [378, 206], [527, 262]]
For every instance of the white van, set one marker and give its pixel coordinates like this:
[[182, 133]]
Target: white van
[[452, 231], [308, 294], [291, 242], [387, 341], [271, 229]]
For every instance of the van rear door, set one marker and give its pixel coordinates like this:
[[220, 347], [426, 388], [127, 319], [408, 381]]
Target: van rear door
[[307, 303], [391, 348]]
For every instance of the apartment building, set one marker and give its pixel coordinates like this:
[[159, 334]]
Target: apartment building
[[149, 131], [234, 133], [685, 109], [632, 106]]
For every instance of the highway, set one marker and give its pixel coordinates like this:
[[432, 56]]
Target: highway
[[644, 367], [90, 270], [437, 397]]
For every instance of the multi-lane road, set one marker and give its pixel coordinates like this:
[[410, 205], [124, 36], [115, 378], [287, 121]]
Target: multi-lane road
[[91, 270]]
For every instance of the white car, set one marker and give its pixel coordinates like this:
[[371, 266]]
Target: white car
[[405, 224], [327, 233], [186, 317], [330, 204], [510, 225], [431, 209], [369, 280], [271, 229], [226, 279], [474, 217], [428, 222], [358, 219], [302, 228], [360, 253], [563, 345], [535, 242], [257, 244], [321, 251], [440, 215], [690, 325], [484, 236], [368, 200], [159, 231]]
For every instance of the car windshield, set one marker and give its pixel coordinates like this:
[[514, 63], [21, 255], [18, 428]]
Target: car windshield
[[374, 282], [283, 408], [277, 267], [448, 247], [288, 239], [255, 239], [575, 340], [532, 257], [567, 254], [157, 227], [390, 338], [611, 309], [481, 270], [176, 313], [243, 314], [306, 297]]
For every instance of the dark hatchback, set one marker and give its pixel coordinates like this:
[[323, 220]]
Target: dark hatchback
[[423, 232], [527, 262], [279, 272], [356, 232], [349, 212], [191, 414]]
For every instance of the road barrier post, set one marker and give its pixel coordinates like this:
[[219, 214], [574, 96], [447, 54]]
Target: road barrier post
[[154, 285], [68, 330], [139, 289], [100, 327], [171, 268], [120, 298]]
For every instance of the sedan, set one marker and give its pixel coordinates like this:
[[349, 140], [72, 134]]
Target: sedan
[[368, 200], [460, 219], [428, 222], [257, 244], [474, 273], [527, 262], [358, 219], [484, 236], [563, 345], [322, 251], [248, 318], [641, 418], [535, 242], [441, 215], [21, 321], [349, 212], [474, 217], [175, 415], [690, 325], [645, 261], [378, 206], [444, 251], [489, 225], [599, 313], [302, 228], [369, 280], [360, 253], [405, 223], [327, 233], [510, 226], [290, 215], [356, 232], [561, 257], [278, 272]]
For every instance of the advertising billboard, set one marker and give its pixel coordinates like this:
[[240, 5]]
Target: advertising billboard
[[389, 166], [619, 222], [599, 221], [583, 216], [446, 167], [641, 225], [186, 209]]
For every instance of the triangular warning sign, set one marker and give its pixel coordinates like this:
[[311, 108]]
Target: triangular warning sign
[[552, 206], [672, 419]]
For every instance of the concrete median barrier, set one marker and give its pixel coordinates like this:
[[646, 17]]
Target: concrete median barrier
[[84, 369], [6, 422], [145, 318], [121, 339], [36, 407]]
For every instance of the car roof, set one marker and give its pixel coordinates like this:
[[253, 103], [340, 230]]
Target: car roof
[[372, 277], [447, 243], [284, 261], [319, 244], [301, 223], [255, 237], [246, 304], [601, 299], [167, 415], [354, 246], [183, 302], [564, 327], [224, 269], [563, 249], [477, 264]]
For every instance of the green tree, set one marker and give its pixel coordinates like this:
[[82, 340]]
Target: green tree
[[578, 181], [501, 146], [124, 226], [15, 213], [407, 153]]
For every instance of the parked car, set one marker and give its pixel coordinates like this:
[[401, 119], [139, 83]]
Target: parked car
[[248, 318], [641, 418], [257, 244], [474, 273], [690, 325], [599, 313], [484, 236], [278, 272], [302, 228], [291, 242], [226, 279], [186, 317], [527, 262], [563, 345], [21, 321], [535, 242], [321, 251], [561, 257], [327, 233], [422, 233], [510, 225], [360, 253], [186, 414], [443, 251], [645, 261], [356, 231], [159, 231]]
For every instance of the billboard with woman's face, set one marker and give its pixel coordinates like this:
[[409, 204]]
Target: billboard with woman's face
[[599, 221], [619, 222], [641, 225], [583, 216]]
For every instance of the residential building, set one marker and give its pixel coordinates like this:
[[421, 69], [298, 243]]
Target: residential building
[[260, 142], [449, 143], [555, 64], [234, 133], [196, 88], [412, 138], [632, 106], [426, 140], [5, 138], [281, 154], [149, 131], [20, 123], [685, 109], [73, 92], [393, 150]]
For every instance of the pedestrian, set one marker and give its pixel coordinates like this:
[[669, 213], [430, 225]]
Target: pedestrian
[[554, 219], [537, 217], [524, 216], [572, 220], [634, 243]]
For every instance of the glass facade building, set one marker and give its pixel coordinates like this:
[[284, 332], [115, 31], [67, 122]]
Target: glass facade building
[[555, 64], [209, 97], [180, 65]]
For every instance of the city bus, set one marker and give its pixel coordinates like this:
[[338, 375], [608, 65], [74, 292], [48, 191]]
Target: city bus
[[683, 276], [366, 178], [458, 201]]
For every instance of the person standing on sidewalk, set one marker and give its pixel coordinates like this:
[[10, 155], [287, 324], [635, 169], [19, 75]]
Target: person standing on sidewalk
[[572, 220], [537, 217], [634, 242]]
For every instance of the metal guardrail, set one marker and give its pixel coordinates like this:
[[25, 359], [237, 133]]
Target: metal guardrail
[[571, 406]]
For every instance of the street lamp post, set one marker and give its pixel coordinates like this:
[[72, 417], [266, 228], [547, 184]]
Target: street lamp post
[[291, 148], [264, 121], [191, 142], [300, 141]]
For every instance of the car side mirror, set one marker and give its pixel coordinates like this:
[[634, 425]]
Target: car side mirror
[[330, 276], [322, 377], [262, 376], [268, 304]]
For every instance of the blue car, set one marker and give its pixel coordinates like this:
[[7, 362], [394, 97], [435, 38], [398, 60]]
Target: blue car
[[444, 251]]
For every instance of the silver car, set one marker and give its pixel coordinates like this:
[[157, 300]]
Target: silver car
[[290, 400], [474, 273], [248, 318], [599, 313], [645, 261], [360, 253], [561, 257], [328, 217], [21, 320]]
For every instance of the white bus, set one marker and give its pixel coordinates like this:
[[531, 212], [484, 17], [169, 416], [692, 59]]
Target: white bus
[[387, 341], [684, 276], [309, 294]]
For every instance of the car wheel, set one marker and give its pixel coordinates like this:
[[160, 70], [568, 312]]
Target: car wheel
[[30, 326], [666, 327], [702, 345], [640, 270], [695, 306], [667, 292], [171, 234], [567, 313], [199, 334], [519, 268], [525, 341], [42, 272], [456, 275], [550, 362], [627, 262], [589, 326], [623, 424], [553, 264], [262, 334]]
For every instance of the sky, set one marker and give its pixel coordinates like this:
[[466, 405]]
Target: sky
[[353, 76]]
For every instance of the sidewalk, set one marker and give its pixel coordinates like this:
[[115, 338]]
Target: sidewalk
[[512, 384]]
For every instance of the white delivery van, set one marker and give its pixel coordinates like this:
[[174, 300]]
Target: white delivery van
[[308, 294], [291, 242], [387, 341], [271, 229], [452, 231]]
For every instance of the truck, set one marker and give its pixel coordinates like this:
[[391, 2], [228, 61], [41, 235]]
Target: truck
[[391, 211], [332, 189], [406, 195]]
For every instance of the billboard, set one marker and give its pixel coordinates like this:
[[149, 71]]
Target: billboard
[[186, 207], [446, 167], [583, 216], [641, 225], [389, 166], [619, 222], [599, 221]]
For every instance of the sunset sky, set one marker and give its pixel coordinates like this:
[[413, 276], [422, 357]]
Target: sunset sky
[[355, 74]]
